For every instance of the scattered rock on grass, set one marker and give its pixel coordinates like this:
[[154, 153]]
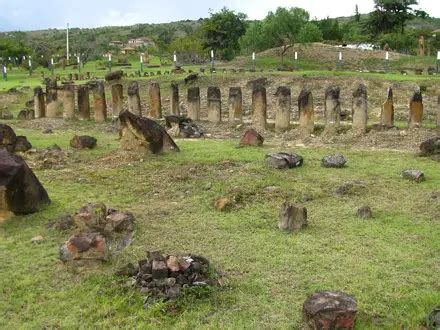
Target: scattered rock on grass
[[284, 160], [292, 218], [430, 147], [224, 204], [364, 212], [251, 138], [334, 161], [83, 142], [37, 239], [414, 175]]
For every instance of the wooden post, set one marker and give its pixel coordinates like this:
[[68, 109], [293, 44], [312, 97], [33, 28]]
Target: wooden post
[[134, 100], [416, 110], [360, 110], [194, 103], [83, 102], [387, 114], [235, 106], [39, 104], [306, 111], [259, 107], [282, 117], [69, 101], [117, 99], [214, 104], [155, 101]]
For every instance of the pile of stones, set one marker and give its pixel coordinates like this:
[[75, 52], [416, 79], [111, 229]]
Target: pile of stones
[[165, 277], [99, 232]]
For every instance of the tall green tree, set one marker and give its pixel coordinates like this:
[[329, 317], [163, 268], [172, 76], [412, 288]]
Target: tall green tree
[[222, 31], [310, 32]]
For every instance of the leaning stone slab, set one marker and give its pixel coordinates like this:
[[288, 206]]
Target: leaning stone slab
[[284, 160], [292, 218], [20, 190], [330, 310], [144, 135]]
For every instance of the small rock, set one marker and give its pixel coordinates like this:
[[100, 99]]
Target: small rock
[[173, 293], [251, 138], [284, 160], [208, 186], [47, 131], [62, 223], [414, 175], [270, 189], [173, 263], [430, 147], [37, 239], [364, 212], [292, 217], [333, 161], [223, 204], [83, 142], [159, 269]]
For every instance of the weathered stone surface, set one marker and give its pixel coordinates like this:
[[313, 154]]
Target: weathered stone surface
[[332, 109], [360, 110], [282, 117], [235, 105], [134, 100], [387, 114], [259, 107], [194, 103], [115, 75], [52, 105], [223, 204], [69, 101], [306, 111], [414, 175], [159, 269], [416, 110], [155, 101], [22, 144], [20, 190], [251, 138], [39, 103], [284, 160], [144, 135], [63, 223], [364, 212], [83, 102], [430, 147], [84, 246], [117, 100], [178, 126], [99, 101], [214, 104], [330, 310], [262, 81], [191, 78], [26, 114], [335, 161], [83, 142], [174, 99], [292, 218], [8, 139]]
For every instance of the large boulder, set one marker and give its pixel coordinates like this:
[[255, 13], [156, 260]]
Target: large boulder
[[430, 147], [20, 190], [144, 135]]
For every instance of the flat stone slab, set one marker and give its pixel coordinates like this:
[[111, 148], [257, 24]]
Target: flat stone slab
[[284, 160]]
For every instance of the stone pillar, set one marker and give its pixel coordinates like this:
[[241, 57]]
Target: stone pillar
[[69, 101], [306, 111], [134, 100], [194, 103], [174, 99], [52, 104], [332, 110], [235, 105], [39, 105], [387, 114], [83, 102], [99, 102], [416, 110], [117, 99], [155, 102], [282, 117], [259, 107], [214, 104], [438, 111], [360, 110]]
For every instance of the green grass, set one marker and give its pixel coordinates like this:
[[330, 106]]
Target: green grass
[[388, 263]]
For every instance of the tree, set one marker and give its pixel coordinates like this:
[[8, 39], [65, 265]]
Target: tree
[[283, 27], [392, 16], [330, 29], [222, 31], [357, 16], [310, 32]]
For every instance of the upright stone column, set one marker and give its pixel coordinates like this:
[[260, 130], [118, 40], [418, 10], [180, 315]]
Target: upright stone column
[[235, 105], [99, 102], [360, 110], [39, 105], [214, 104], [306, 111], [134, 100], [332, 109], [282, 117], [259, 107], [174, 99], [83, 102], [155, 101], [194, 103], [69, 101], [416, 110], [52, 105], [117, 100], [438, 111], [387, 114]]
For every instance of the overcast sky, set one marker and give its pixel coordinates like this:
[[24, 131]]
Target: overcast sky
[[42, 14]]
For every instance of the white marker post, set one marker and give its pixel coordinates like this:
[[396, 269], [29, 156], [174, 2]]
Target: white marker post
[[30, 66], [109, 62], [5, 73], [175, 60], [51, 65], [295, 63], [339, 64], [254, 63], [438, 61], [212, 61], [141, 60], [387, 60], [78, 61]]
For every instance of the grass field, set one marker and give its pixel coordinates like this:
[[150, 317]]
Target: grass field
[[389, 263]]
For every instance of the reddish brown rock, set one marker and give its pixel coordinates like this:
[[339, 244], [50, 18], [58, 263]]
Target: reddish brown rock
[[416, 110], [330, 310], [85, 246], [251, 138]]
